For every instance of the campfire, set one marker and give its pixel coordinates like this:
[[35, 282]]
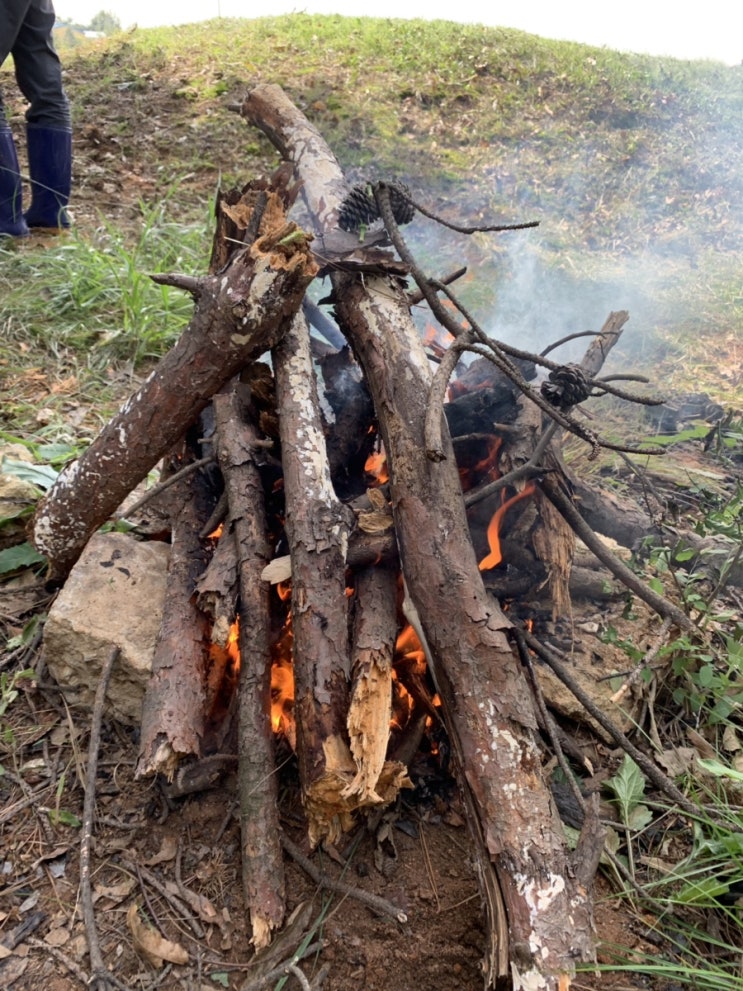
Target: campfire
[[344, 525]]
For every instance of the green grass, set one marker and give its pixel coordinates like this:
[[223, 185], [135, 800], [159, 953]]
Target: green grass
[[85, 309]]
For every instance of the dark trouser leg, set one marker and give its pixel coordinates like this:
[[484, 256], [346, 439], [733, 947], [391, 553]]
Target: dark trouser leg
[[49, 131], [12, 223], [38, 69]]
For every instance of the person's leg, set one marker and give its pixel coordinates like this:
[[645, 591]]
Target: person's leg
[[12, 15], [48, 122], [12, 223]]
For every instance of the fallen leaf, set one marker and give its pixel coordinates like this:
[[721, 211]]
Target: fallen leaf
[[151, 944], [57, 937], [167, 851], [116, 892]]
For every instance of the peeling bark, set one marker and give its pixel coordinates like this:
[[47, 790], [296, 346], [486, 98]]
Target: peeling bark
[[370, 709]]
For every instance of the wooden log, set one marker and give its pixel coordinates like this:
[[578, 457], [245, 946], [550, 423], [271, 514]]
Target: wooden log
[[262, 864], [349, 434], [317, 526], [239, 313], [370, 708], [174, 706], [519, 842], [217, 589]]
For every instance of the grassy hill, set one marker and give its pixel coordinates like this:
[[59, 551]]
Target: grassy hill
[[633, 165]]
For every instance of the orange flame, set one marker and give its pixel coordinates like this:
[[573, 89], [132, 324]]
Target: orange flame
[[486, 469], [408, 645], [282, 676], [376, 466], [495, 557]]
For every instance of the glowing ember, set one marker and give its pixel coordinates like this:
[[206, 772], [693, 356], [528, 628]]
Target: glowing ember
[[495, 557]]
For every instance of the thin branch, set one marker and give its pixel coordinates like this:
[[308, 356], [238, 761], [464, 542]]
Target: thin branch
[[617, 567], [293, 969], [643, 664], [530, 469], [566, 340], [497, 352], [659, 779], [373, 902], [100, 975], [437, 397], [262, 982], [417, 297], [177, 903], [464, 230], [189, 283], [56, 954], [158, 489]]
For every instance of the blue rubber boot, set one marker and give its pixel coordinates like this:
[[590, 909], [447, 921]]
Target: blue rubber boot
[[50, 168], [12, 223]]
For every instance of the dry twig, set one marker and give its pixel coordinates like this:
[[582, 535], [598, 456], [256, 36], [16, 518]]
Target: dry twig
[[100, 976], [372, 901], [617, 567]]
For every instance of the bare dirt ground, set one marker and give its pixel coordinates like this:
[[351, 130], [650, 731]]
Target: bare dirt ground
[[168, 857], [158, 857]]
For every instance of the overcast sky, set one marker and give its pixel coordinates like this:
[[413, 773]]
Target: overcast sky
[[658, 27]]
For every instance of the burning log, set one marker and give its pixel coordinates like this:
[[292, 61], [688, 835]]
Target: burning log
[[240, 312], [491, 723], [246, 530], [317, 526], [175, 702]]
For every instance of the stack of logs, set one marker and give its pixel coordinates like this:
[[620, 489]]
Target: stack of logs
[[404, 549]]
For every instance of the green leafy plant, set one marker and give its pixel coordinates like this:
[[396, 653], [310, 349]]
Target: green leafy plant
[[628, 789], [59, 816], [9, 692]]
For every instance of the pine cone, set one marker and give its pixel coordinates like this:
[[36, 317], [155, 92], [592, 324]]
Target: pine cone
[[567, 386], [402, 209], [357, 210]]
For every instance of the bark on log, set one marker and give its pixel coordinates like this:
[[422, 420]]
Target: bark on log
[[240, 313], [317, 526], [262, 864], [173, 709], [217, 589], [487, 704]]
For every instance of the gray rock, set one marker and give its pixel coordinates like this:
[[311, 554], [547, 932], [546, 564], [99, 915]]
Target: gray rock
[[113, 597]]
